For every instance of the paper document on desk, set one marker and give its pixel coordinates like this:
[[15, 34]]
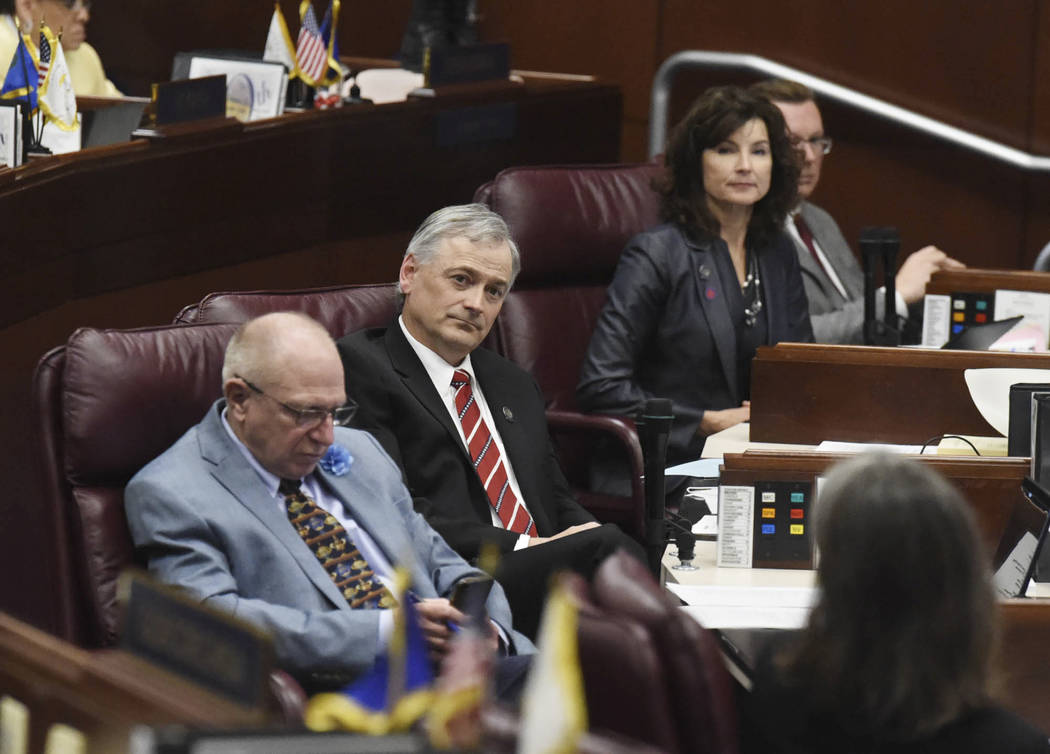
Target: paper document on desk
[[831, 446], [747, 606]]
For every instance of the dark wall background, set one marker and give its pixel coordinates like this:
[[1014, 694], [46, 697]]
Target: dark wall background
[[981, 65]]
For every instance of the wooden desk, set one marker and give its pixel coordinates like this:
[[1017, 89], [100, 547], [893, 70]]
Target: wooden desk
[[1024, 662], [990, 485], [102, 694], [974, 280], [806, 393]]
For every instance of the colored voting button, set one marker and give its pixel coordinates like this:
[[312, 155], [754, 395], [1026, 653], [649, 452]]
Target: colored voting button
[[981, 317], [982, 305], [797, 497], [959, 317], [957, 328], [769, 497], [769, 513], [797, 528], [769, 528], [959, 303], [797, 513]]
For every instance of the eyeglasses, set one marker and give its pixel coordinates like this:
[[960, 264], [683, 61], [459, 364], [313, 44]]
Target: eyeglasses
[[308, 418], [820, 144]]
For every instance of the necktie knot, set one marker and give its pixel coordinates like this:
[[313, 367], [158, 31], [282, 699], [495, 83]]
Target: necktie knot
[[288, 487], [459, 378]]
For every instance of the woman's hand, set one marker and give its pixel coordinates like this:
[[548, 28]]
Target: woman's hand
[[716, 421]]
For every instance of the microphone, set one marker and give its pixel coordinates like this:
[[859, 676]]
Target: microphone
[[654, 428], [877, 245]]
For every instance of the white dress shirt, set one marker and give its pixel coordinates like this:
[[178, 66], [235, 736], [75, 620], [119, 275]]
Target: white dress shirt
[[440, 373]]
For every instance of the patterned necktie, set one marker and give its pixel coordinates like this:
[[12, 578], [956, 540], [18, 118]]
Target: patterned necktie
[[807, 238], [329, 542], [487, 461]]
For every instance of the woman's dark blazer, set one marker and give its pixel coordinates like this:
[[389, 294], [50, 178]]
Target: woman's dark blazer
[[665, 330]]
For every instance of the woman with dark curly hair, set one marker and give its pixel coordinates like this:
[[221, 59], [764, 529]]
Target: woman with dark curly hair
[[899, 652], [692, 299]]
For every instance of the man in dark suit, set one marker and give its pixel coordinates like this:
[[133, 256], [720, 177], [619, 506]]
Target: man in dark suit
[[466, 426], [833, 278]]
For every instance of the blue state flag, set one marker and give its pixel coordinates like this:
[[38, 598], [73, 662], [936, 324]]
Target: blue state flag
[[20, 84], [394, 693]]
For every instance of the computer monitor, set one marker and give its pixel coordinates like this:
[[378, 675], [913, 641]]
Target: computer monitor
[[1018, 551]]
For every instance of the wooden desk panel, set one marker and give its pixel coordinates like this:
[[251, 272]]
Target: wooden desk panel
[[945, 282], [990, 485], [103, 220], [102, 694], [806, 393]]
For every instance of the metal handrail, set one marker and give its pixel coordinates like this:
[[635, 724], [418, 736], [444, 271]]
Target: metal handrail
[[661, 96]]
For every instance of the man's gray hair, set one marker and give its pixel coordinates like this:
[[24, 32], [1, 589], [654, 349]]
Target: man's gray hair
[[475, 222]]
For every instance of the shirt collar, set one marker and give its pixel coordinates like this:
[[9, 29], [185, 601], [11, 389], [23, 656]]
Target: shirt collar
[[439, 370], [270, 480]]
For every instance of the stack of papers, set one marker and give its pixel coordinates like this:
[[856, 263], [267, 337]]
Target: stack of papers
[[747, 606]]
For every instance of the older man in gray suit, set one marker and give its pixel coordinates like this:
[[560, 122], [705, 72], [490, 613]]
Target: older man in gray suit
[[268, 509], [833, 278]]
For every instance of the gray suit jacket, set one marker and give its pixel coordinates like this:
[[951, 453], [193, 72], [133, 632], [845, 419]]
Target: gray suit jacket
[[835, 319], [206, 522]]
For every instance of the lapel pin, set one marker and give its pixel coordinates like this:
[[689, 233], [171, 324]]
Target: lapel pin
[[710, 293], [705, 273], [508, 414]]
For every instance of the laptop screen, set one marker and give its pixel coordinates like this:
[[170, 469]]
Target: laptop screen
[[1018, 549]]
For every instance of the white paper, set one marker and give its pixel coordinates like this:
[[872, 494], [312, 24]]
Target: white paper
[[10, 149], [1034, 307], [830, 446], [736, 517], [936, 320], [747, 606], [1010, 575], [708, 525], [703, 468]]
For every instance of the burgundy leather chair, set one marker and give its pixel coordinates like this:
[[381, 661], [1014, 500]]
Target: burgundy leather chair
[[571, 223], [341, 309], [699, 689], [107, 403], [622, 673]]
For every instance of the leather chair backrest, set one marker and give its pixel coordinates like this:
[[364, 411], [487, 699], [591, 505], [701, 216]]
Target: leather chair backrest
[[622, 673], [341, 309], [699, 687], [570, 223], [108, 402]]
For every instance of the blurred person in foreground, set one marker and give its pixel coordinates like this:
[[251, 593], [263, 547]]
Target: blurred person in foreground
[[834, 280], [691, 300], [898, 655], [68, 18]]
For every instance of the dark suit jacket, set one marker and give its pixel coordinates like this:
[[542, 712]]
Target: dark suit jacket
[[666, 330], [399, 405]]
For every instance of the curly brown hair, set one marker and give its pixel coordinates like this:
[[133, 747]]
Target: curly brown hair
[[715, 115]]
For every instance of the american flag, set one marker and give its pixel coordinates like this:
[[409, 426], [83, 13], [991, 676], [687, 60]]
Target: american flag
[[310, 48], [45, 60]]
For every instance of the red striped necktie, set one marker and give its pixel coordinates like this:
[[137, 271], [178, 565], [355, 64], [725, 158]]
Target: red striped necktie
[[807, 238], [487, 462]]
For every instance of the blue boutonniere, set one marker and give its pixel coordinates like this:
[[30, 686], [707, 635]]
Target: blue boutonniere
[[336, 460]]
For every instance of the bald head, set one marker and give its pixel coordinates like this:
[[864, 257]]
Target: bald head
[[276, 367]]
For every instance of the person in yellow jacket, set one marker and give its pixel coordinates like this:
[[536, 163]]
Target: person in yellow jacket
[[71, 18]]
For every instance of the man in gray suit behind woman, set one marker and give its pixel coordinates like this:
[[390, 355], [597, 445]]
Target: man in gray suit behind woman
[[833, 278], [272, 511]]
